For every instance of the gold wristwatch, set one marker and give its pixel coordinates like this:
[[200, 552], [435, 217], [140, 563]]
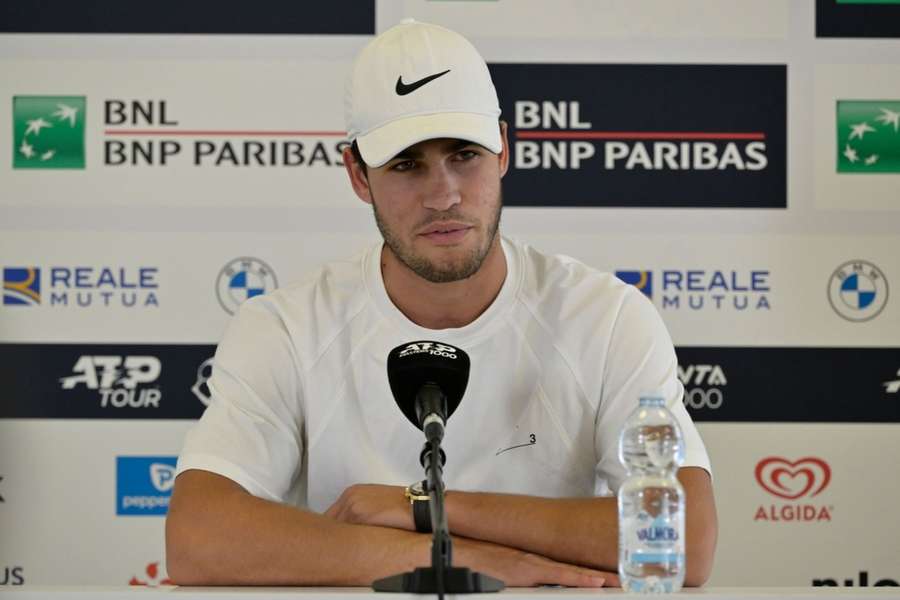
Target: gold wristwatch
[[420, 500]]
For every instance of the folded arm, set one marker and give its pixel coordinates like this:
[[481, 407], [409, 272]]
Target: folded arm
[[582, 531], [219, 534]]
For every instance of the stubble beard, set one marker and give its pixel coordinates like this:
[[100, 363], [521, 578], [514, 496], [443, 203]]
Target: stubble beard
[[427, 269]]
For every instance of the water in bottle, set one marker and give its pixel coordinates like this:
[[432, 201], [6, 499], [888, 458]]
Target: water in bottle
[[651, 501]]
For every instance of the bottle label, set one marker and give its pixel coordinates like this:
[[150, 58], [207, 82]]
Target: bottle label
[[654, 539]]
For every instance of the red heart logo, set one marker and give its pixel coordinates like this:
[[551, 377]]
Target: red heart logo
[[792, 480]]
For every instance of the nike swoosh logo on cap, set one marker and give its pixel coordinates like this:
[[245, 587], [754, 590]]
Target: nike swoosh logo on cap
[[403, 89]]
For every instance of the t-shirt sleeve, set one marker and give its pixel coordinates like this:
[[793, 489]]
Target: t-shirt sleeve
[[251, 432], [640, 359]]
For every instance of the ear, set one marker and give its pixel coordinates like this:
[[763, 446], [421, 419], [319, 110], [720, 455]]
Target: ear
[[358, 178], [504, 153]]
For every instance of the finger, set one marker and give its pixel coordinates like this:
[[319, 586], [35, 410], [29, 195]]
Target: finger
[[579, 577]]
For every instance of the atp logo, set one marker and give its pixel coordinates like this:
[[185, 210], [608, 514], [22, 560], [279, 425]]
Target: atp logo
[[868, 136], [48, 132], [21, 286], [804, 478], [120, 381], [433, 348]]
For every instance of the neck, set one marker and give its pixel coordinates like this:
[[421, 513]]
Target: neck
[[443, 305]]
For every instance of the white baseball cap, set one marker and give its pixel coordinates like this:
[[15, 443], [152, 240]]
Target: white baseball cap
[[416, 82]]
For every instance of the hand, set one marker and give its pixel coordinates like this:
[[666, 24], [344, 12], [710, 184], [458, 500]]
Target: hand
[[523, 569], [372, 504]]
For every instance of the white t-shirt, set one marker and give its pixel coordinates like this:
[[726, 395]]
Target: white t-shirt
[[301, 406]]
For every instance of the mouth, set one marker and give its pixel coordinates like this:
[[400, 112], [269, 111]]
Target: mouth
[[445, 232]]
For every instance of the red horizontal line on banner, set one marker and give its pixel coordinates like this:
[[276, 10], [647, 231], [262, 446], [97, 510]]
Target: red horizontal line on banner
[[248, 133], [636, 135]]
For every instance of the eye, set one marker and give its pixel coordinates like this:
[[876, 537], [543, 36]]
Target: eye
[[404, 165], [466, 154]]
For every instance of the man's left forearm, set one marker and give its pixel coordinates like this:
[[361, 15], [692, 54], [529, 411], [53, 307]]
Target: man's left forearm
[[580, 531]]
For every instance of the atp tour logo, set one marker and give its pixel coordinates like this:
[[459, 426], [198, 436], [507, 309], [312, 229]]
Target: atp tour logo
[[242, 279], [21, 286], [48, 132], [804, 478], [433, 348], [868, 136], [120, 381], [144, 484], [858, 291], [703, 386]]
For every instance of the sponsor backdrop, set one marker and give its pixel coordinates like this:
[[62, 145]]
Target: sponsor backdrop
[[736, 160]]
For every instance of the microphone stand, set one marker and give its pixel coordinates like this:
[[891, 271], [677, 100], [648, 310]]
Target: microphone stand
[[441, 577]]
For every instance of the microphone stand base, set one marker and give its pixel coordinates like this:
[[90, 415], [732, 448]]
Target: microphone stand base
[[457, 580]]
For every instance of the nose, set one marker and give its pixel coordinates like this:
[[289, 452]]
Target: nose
[[441, 189]]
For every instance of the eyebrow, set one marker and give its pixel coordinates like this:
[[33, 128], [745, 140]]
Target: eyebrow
[[450, 146]]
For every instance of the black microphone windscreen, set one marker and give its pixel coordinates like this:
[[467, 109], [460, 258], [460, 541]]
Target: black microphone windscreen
[[412, 365]]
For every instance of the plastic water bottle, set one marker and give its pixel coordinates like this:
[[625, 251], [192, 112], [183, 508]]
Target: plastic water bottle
[[651, 501]]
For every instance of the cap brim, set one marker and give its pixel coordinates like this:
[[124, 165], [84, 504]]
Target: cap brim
[[382, 144]]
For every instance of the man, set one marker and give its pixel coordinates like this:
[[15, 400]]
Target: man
[[296, 473]]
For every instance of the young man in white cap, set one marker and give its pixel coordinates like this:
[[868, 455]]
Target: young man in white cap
[[295, 473]]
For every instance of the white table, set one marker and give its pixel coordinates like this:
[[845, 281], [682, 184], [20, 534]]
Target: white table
[[36, 592]]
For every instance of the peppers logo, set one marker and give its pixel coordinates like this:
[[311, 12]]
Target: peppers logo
[[805, 477]]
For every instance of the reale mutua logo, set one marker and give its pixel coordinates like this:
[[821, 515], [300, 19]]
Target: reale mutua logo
[[868, 136], [791, 482], [48, 132], [21, 286], [705, 289], [81, 286]]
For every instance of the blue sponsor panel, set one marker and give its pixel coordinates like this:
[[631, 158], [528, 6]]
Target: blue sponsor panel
[[197, 16], [105, 381], [640, 135], [144, 484]]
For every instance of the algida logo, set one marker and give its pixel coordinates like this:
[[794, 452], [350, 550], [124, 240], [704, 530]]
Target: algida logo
[[48, 132], [868, 136]]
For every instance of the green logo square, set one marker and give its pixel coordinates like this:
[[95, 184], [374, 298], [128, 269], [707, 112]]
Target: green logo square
[[868, 136], [48, 132]]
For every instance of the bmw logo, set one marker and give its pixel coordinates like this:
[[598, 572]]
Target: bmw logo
[[242, 279], [858, 290]]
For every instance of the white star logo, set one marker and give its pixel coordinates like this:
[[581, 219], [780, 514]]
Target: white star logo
[[860, 129], [66, 112], [850, 154], [26, 149], [872, 159], [48, 154], [889, 118], [35, 126]]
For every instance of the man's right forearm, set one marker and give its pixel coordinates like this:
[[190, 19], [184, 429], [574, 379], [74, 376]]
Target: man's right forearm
[[218, 534]]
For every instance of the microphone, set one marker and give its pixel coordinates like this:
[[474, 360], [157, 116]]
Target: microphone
[[428, 380]]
